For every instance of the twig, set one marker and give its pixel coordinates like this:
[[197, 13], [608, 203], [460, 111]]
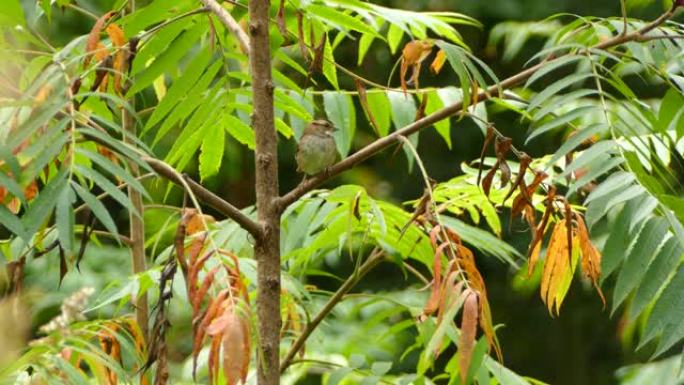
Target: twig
[[484, 95], [373, 260], [229, 22], [165, 170]]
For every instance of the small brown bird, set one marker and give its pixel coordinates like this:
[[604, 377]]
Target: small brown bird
[[316, 150]]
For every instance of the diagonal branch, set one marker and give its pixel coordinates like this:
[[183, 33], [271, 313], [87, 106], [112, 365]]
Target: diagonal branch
[[206, 196], [229, 22], [373, 260], [450, 110]]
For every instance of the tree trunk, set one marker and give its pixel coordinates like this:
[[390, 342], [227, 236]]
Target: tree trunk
[[267, 246]]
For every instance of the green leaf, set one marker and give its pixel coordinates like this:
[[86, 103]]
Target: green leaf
[[329, 69], [42, 206], [379, 106], [668, 309], [403, 113], [168, 59], [651, 184], [12, 14], [339, 19], [575, 140], [637, 261], [338, 375], [556, 87], [394, 36], [339, 108], [364, 43], [64, 219], [457, 61], [180, 87], [558, 121], [115, 170], [98, 209], [211, 152], [618, 240], [443, 126], [107, 186], [552, 66], [670, 112], [662, 266], [151, 14], [380, 368], [13, 224], [238, 130], [191, 101]]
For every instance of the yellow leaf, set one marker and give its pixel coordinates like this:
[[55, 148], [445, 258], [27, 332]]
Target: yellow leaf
[[438, 62]]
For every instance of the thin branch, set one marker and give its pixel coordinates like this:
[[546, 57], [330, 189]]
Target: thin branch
[[229, 22], [165, 170], [373, 260], [446, 112]]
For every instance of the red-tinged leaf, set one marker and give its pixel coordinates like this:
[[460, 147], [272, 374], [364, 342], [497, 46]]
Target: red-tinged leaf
[[487, 142], [200, 324], [236, 350], [206, 283], [94, 37], [432, 304], [214, 353], [466, 343], [539, 177], [438, 62], [568, 225]]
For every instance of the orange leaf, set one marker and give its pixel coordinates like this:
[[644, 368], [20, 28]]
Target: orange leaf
[[94, 37], [438, 62], [556, 264], [591, 257], [31, 191], [468, 333], [412, 55], [116, 35]]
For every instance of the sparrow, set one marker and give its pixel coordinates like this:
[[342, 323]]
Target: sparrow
[[316, 150]]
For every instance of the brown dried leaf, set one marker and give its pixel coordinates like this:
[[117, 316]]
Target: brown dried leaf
[[438, 62], [505, 173], [280, 20], [489, 178], [300, 36], [524, 164], [468, 333], [488, 140], [94, 37], [236, 349]]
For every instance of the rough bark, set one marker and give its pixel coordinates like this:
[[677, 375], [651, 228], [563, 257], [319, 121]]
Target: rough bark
[[266, 248]]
